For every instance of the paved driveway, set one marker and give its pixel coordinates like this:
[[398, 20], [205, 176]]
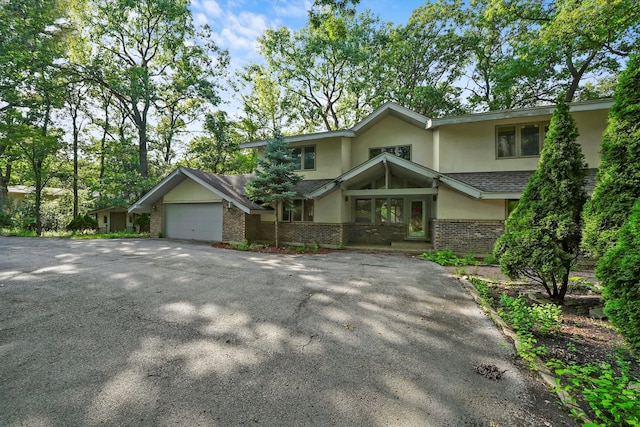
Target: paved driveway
[[157, 332]]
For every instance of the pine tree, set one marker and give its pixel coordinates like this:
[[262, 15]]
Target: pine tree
[[618, 179], [275, 179], [542, 236]]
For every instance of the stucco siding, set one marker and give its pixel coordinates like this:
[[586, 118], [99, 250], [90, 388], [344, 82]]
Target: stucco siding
[[392, 131], [331, 209], [454, 205], [190, 191], [470, 147], [328, 158]]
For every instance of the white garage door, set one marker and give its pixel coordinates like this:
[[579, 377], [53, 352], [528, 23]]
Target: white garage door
[[194, 221]]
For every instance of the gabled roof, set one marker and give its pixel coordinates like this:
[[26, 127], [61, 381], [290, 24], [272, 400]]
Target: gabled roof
[[228, 187], [386, 109], [373, 167], [547, 110]]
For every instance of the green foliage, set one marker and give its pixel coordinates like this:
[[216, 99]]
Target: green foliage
[[444, 257], [448, 258], [491, 259], [542, 236], [326, 74], [619, 274], [275, 180], [483, 290], [82, 222], [217, 151], [542, 319], [618, 180], [241, 246], [613, 393]]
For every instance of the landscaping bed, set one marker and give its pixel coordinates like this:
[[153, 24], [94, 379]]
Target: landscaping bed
[[585, 351]]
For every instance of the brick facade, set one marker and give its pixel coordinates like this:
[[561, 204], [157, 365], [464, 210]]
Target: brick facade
[[466, 236], [233, 223], [376, 233], [156, 219]]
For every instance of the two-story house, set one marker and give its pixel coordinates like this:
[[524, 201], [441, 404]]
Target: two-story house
[[395, 176]]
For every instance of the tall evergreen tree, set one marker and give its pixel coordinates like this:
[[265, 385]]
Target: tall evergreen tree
[[618, 179], [619, 273], [542, 236], [275, 178]]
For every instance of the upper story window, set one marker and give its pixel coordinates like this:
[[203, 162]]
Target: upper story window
[[305, 156], [403, 151], [520, 140]]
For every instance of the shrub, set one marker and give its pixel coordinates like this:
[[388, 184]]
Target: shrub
[[445, 257], [82, 222], [544, 319], [542, 235], [617, 186]]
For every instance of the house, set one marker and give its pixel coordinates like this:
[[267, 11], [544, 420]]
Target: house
[[18, 193], [114, 219], [395, 176]]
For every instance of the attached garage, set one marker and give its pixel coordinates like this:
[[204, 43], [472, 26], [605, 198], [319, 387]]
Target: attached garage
[[194, 221]]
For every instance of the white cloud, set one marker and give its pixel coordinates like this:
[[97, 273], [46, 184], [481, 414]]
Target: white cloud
[[211, 8], [292, 9]]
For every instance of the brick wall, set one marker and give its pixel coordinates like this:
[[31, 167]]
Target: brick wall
[[156, 219], [376, 233], [233, 223], [466, 236], [307, 232]]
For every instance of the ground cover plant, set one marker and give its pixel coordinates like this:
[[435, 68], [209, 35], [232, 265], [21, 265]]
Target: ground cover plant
[[591, 360]]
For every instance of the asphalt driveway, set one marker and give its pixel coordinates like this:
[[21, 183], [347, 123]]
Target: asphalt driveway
[[158, 332]]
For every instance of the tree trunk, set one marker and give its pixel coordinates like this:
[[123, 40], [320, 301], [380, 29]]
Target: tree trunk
[[76, 131], [276, 225]]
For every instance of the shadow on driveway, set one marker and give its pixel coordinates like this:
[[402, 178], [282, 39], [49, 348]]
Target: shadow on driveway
[[157, 332]]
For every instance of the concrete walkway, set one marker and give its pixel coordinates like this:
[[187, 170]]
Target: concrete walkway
[[156, 332]]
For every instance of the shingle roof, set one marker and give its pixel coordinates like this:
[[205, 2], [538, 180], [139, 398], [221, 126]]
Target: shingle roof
[[233, 185], [506, 182]]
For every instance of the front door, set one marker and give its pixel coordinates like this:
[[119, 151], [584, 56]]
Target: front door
[[417, 218]]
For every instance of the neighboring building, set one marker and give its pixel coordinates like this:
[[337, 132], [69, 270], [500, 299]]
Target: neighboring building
[[395, 176], [114, 219], [19, 192]]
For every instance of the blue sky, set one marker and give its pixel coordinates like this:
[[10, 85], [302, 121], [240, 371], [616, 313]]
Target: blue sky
[[237, 24]]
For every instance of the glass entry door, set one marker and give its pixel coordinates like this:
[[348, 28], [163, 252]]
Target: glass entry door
[[417, 218]]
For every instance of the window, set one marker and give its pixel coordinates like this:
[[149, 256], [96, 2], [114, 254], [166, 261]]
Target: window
[[520, 140], [512, 204], [302, 211], [386, 211], [363, 210], [305, 156], [402, 151]]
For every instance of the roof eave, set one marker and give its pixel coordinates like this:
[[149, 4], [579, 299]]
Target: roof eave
[[303, 138], [546, 110]]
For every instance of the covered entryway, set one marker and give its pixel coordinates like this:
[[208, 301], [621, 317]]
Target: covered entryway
[[194, 221], [118, 221]]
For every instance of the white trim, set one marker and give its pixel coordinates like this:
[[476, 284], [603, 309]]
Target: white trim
[[546, 110], [383, 158], [391, 192], [302, 138], [174, 179], [395, 110]]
